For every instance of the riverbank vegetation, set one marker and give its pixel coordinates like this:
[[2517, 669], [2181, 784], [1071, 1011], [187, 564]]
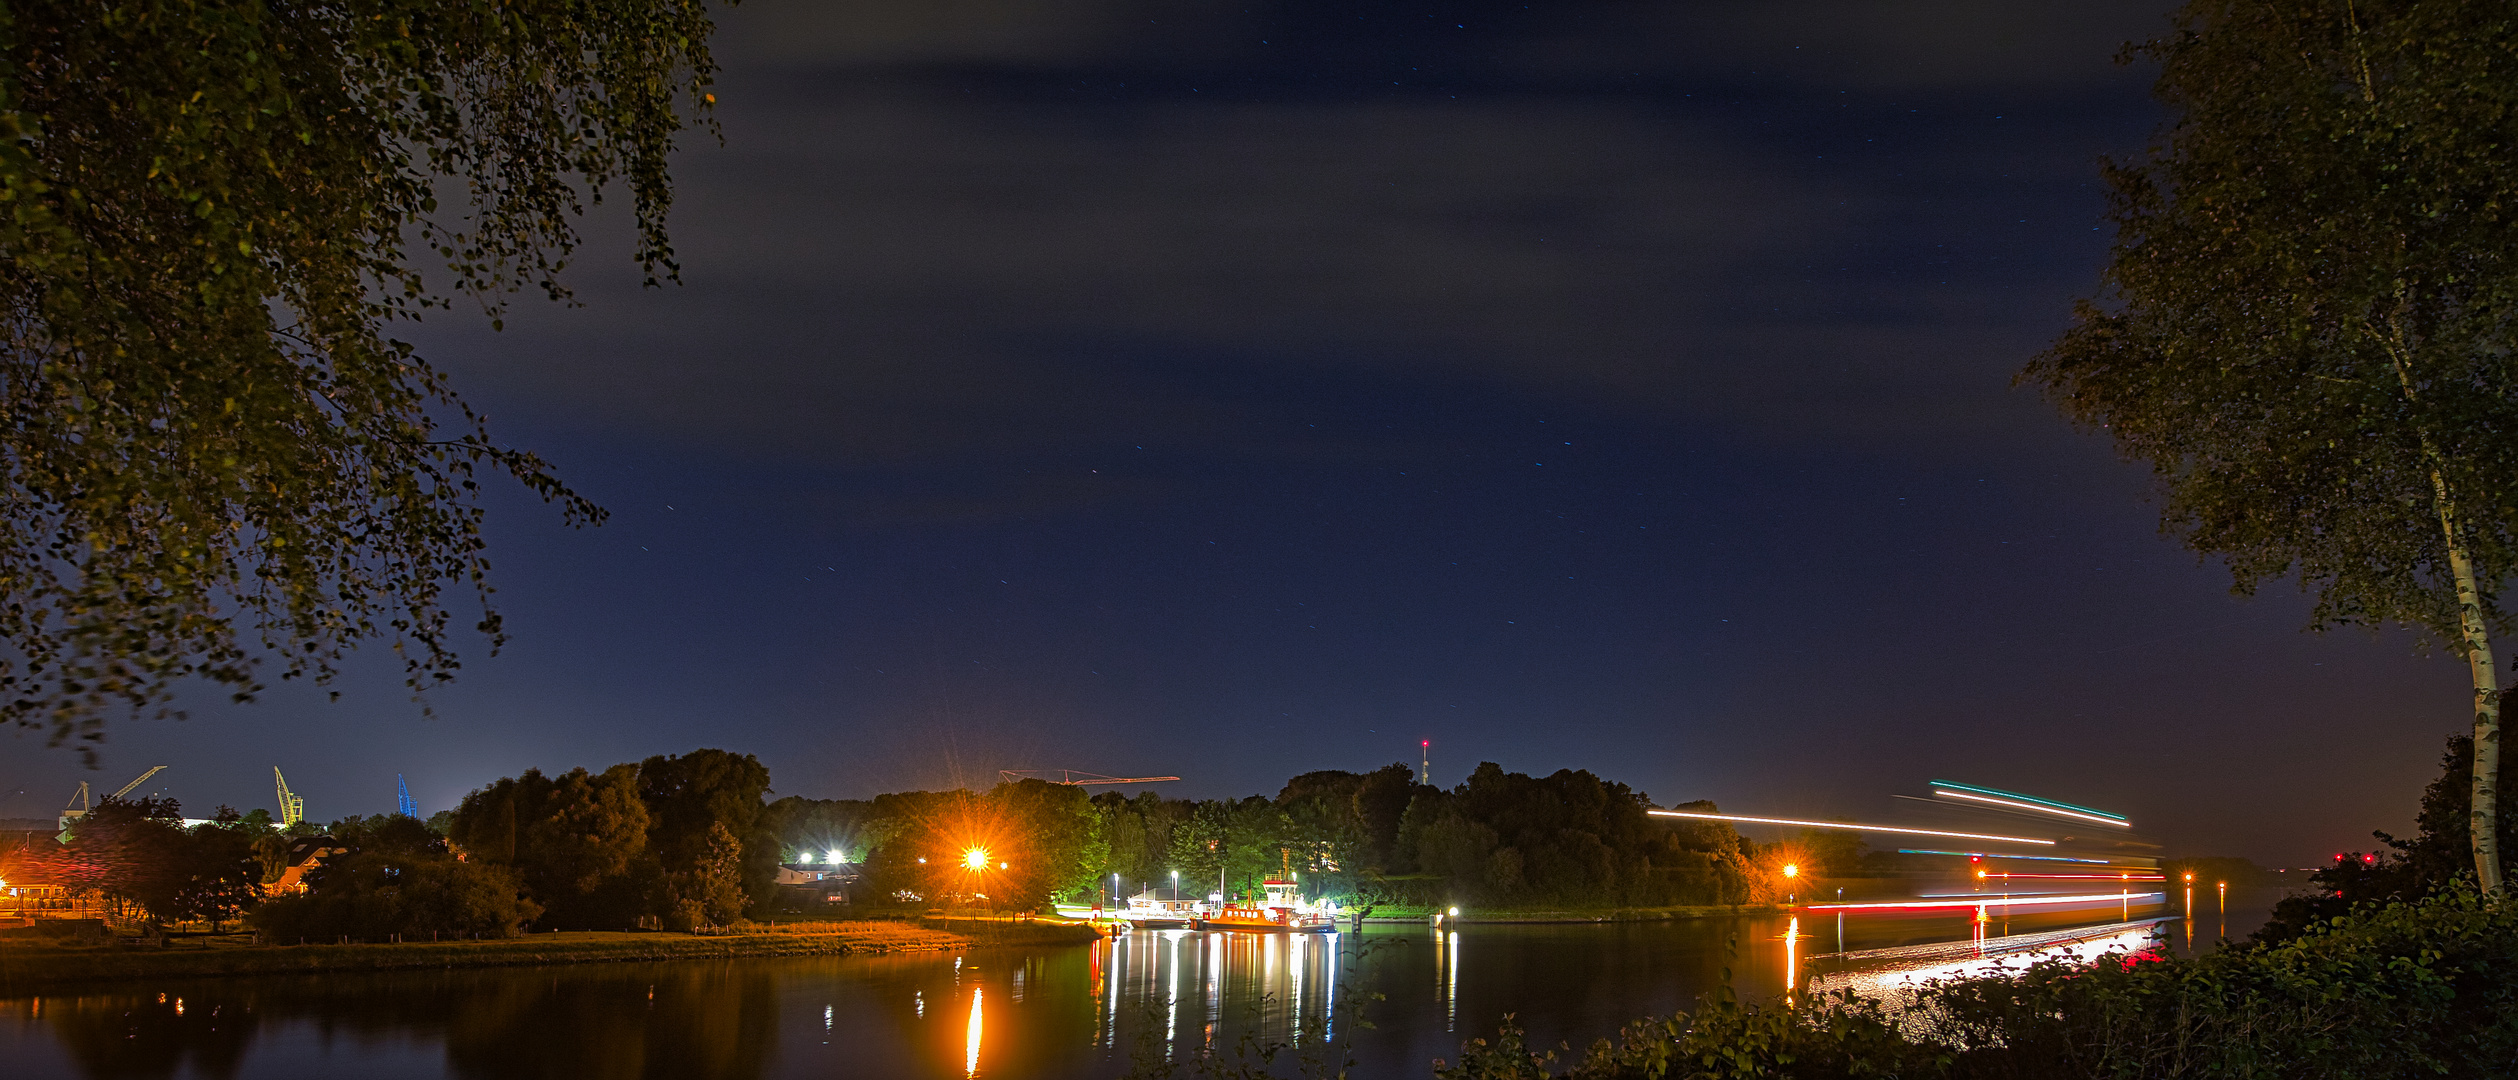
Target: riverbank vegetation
[[1563, 842], [687, 843]]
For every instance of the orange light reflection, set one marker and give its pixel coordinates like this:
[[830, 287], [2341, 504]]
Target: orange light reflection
[[970, 1052]]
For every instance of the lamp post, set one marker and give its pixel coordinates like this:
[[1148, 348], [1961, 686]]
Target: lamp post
[[975, 864]]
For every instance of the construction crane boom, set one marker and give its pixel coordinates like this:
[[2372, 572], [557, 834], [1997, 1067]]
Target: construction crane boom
[[292, 807], [144, 778], [1072, 778], [81, 803]]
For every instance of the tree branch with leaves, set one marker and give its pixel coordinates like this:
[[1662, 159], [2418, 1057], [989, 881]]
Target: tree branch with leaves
[[212, 216], [2309, 316]]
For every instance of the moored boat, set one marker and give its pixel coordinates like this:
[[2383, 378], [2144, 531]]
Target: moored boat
[[1161, 909], [1280, 910]]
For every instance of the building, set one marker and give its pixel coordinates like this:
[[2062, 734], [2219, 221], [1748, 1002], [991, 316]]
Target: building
[[808, 884]]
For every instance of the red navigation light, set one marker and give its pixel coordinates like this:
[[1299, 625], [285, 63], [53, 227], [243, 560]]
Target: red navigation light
[[2370, 859]]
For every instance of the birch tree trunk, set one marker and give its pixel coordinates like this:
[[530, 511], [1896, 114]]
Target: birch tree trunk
[[2483, 813], [2483, 818]]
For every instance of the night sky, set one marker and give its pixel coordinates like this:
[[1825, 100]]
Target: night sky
[[1233, 390]]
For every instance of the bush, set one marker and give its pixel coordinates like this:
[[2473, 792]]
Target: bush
[[2428, 988], [372, 895]]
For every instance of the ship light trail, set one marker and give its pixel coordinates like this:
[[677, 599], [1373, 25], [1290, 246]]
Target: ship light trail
[[1989, 901], [2032, 807], [2002, 855], [2017, 801], [1848, 826], [2081, 877]]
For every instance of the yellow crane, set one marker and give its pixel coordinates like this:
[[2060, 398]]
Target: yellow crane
[[292, 807], [80, 804]]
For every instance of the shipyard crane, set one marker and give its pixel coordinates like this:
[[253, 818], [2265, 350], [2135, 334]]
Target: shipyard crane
[[403, 803], [1072, 778], [292, 807], [80, 803]]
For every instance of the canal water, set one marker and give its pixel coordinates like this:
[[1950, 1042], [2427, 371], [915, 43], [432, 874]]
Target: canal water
[[1390, 999]]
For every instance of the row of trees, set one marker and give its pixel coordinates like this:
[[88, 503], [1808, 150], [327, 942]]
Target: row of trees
[[673, 841], [389, 874], [1376, 837], [688, 841], [139, 856]]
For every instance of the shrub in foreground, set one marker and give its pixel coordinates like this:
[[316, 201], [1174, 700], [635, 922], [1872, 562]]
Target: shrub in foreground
[[2427, 989]]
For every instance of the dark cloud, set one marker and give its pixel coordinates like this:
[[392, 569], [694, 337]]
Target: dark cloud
[[1233, 390], [916, 242]]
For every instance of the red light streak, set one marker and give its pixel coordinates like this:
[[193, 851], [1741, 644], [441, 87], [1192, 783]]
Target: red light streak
[[1989, 901], [2084, 877]]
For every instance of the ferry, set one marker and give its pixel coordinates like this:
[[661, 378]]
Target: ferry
[[1161, 909], [1281, 910]]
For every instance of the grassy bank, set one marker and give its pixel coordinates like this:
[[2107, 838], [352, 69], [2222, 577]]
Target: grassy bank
[[1012, 930], [33, 965]]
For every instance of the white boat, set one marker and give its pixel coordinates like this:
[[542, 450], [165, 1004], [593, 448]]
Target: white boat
[[1161, 909], [1281, 910]]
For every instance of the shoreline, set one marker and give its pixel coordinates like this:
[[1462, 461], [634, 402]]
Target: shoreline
[[26, 968]]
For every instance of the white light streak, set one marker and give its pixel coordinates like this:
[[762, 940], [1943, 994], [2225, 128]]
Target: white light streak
[[2016, 805], [1845, 825]]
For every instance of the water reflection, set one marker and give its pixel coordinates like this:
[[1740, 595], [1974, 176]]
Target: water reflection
[[1792, 958], [1050, 1013], [686, 1020], [970, 1053], [1275, 987], [149, 1035]]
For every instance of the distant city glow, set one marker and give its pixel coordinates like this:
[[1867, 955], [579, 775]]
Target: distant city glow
[[2048, 805], [1847, 825]]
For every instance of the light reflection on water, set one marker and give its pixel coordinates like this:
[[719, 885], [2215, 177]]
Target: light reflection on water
[[1082, 1011]]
